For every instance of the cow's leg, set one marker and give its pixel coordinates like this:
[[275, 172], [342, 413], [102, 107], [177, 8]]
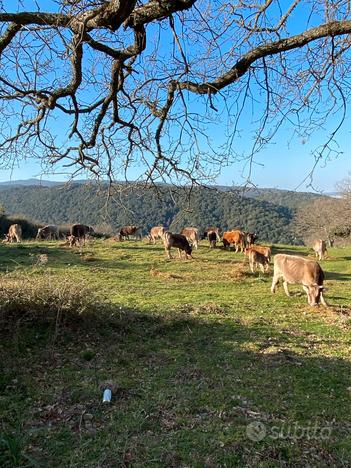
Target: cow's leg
[[275, 281], [309, 294], [262, 267], [322, 299], [168, 253], [251, 265], [285, 284]]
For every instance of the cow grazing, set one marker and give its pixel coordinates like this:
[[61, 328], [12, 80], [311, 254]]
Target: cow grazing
[[212, 235], [127, 231], [79, 232], [212, 238], [178, 241], [299, 270], [256, 259], [250, 238], [49, 232], [320, 248], [212, 229], [192, 234], [236, 238], [266, 251], [14, 232], [156, 232]]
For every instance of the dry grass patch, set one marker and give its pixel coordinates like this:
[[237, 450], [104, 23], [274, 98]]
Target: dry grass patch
[[239, 271], [34, 297], [210, 308], [164, 274]]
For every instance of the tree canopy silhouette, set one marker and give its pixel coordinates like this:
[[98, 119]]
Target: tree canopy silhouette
[[108, 86]]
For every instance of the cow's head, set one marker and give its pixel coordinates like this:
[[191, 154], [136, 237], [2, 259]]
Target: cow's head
[[40, 233], [314, 294]]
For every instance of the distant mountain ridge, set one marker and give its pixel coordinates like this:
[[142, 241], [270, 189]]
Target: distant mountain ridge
[[35, 182]]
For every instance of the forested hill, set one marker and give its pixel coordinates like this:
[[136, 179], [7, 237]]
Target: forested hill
[[88, 204], [288, 198]]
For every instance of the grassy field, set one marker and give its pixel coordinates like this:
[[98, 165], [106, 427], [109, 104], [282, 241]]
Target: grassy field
[[208, 368]]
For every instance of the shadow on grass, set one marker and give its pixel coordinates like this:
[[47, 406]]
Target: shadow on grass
[[188, 386], [333, 275], [59, 256]]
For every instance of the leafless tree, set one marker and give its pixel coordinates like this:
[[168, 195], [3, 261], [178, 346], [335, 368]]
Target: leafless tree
[[108, 86], [322, 218], [344, 188]]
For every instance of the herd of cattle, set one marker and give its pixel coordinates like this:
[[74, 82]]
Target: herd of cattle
[[292, 269]]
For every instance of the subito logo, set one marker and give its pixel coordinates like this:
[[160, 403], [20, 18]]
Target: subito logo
[[256, 431]]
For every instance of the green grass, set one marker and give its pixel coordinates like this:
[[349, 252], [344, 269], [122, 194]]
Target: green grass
[[196, 350]]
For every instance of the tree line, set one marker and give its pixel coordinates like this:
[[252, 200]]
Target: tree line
[[139, 205]]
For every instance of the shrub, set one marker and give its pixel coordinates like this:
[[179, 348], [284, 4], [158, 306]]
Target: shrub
[[46, 298]]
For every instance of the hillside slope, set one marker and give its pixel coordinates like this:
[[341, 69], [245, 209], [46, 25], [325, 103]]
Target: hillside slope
[[89, 204]]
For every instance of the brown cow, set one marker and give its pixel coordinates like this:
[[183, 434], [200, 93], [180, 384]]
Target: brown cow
[[14, 232], [155, 233], [51, 231], [320, 248], [256, 259], [178, 241], [127, 231], [299, 270], [192, 234], [235, 237], [79, 232], [266, 251]]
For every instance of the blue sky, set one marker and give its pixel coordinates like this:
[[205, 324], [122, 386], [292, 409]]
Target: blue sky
[[279, 165]]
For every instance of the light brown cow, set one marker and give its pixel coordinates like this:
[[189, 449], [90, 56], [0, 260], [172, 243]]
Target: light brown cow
[[178, 241], [51, 231], [256, 259], [299, 270], [127, 231], [320, 248], [14, 232], [156, 232], [192, 235], [235, 237], [266, 251]]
